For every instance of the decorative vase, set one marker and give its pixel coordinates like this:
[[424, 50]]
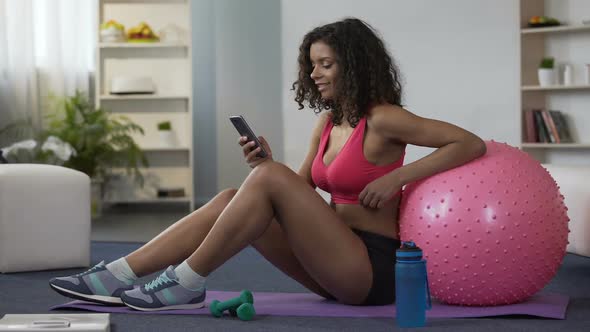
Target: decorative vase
[[546, 76], [167, 138]]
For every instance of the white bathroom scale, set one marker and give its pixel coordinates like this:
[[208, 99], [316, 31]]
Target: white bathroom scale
[[55, 322]]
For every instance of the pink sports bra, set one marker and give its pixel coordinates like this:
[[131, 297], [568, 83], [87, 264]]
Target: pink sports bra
[[348, 174]]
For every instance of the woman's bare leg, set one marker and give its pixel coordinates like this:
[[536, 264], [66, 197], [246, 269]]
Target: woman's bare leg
[[326, 248], [181, 239]]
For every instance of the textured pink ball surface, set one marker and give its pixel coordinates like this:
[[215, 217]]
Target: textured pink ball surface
[[493, 231]]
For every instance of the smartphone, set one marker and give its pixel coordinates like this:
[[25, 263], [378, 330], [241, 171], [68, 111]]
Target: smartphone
[[244, 129]]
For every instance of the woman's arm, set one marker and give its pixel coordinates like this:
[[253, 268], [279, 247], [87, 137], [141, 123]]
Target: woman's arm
[[454, 145], [305, 168]]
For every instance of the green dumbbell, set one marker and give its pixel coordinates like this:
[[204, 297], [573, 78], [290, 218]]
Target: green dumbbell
[[245, 315], [246, 311], [217, 308]]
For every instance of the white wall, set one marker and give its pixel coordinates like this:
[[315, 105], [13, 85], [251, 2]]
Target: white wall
[[459, 59], [204, 108], [237, 70], [248, 76]]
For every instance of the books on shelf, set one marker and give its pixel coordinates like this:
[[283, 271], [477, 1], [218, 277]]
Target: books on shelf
[[546, 126]]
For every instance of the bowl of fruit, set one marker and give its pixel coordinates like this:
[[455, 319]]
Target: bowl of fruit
[[112, 31], [142, 33], [543, 21]]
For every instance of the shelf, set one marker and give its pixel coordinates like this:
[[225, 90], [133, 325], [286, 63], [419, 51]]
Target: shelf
[[128, 45], [565, 28], [145, 1], [164, 149], [555, 87], [150, 200], [555, 146], [141, 97]]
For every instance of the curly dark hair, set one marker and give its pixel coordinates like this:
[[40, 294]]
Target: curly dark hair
[[367, 73]]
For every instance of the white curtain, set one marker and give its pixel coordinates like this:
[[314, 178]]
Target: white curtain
[[46, 47], [18, 81]]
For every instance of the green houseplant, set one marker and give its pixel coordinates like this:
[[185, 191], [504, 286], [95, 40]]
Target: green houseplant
[[167, 136], [102, 141], [86, 139], [546, 71], [164, 126], [547, 62]]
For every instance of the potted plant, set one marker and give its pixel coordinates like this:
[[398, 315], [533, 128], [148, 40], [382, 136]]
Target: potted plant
[[99, 140], [167, 138], [546, 72]]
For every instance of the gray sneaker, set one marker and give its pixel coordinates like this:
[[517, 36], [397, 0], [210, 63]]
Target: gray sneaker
[[95, 285], [164, 293]]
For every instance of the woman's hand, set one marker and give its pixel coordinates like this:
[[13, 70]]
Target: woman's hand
[[377, 193], [251, 154]]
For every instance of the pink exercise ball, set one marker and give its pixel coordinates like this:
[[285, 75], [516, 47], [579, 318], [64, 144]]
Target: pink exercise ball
[[493, 231]]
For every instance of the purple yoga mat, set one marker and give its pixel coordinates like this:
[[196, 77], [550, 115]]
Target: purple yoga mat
[[549, 305]]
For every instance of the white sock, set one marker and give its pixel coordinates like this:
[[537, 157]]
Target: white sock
[[188, 278], [122, 271]]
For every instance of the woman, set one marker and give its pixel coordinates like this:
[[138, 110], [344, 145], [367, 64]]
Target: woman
[[344, 250]]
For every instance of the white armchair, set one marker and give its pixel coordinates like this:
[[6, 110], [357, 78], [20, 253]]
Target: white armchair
[[44, 218]]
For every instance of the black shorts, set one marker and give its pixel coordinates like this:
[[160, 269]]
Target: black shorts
[[381, 251]]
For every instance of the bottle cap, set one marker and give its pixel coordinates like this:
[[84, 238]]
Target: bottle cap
[[408, 252]]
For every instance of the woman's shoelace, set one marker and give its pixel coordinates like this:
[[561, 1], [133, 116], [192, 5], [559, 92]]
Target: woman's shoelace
[[160, 280]]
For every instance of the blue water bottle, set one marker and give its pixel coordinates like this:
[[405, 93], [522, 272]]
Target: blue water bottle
[[411, 286]]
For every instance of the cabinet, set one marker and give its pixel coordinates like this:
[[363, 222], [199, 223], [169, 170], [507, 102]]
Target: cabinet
[[569, 44], [169, 65]]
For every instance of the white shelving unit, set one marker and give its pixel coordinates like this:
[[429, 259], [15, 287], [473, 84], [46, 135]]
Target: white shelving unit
[[561, 42], [555, 87], [141, 97], [555, 146], [570, 28], [140, 45], [169, 64], [149, 201]]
